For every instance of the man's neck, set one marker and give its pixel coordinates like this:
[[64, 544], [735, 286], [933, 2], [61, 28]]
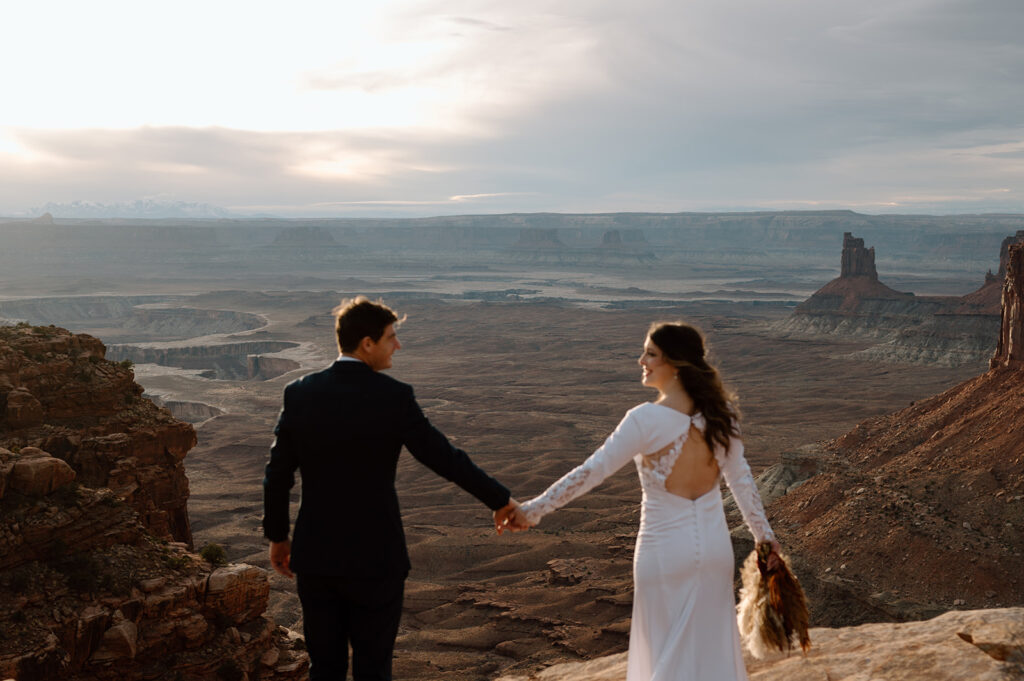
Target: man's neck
[[345, 357]]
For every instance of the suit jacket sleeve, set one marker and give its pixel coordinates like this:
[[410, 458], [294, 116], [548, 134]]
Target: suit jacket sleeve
[[431, 448], [279, 478]]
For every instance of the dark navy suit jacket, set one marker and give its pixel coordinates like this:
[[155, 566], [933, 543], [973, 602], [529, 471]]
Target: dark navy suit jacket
[[343, 428]]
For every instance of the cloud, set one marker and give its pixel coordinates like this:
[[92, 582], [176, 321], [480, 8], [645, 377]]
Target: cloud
[[594, 105]]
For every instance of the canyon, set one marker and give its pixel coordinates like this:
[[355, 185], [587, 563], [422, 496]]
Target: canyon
[[526, 362]]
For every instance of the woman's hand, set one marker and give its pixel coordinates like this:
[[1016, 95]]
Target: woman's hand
[[510, 517], [775, 557]]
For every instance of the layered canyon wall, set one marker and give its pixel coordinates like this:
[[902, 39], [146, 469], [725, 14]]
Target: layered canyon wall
[[98, 577]]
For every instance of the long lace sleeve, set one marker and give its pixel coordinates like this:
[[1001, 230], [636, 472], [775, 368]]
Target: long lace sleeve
[[620, 447], [737, 475]]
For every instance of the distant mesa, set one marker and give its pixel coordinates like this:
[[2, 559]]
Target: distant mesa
[[857, 281], [535, 239], [44, 219], [544, 244], [305, 237], [944, 330], [625, 239]]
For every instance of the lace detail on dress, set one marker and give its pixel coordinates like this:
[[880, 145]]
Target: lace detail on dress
[[654, 470], [620, 447], [567, 488], [741, 483]]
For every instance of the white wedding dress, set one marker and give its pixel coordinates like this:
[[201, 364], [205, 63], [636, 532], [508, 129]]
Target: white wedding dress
[[684, 613]]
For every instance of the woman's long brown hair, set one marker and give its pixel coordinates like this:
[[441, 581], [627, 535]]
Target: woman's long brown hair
[[684, 348]]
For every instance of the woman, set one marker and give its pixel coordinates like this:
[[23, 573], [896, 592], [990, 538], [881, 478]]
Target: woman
[[684, 620]]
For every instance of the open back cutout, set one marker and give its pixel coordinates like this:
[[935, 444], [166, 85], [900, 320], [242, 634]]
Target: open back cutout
[[694, 472]]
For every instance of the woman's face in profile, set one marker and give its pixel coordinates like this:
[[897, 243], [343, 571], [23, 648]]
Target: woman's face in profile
[[657, 373]]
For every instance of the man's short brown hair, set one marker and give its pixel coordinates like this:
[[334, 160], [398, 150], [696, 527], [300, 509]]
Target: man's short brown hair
[[359, 317]]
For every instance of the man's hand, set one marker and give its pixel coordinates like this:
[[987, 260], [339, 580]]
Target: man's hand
[[280, 557], [510, 517]]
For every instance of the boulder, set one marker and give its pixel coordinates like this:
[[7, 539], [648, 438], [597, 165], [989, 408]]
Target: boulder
[[239, 591], [119, 643], [37, 473], [23, 409]]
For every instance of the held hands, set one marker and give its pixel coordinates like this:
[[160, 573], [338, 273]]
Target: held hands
[[510, 517]]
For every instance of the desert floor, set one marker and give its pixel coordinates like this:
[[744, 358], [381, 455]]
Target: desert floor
[[529, 389]]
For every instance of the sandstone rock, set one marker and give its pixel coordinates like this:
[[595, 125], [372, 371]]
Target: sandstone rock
[[1010, 347], [138, 604], [980, 644], [239, 591], [857, 261], [119, 642], [23, 409], [1004, 253], [92, 417], [943, 330], [5, 471], [270, 658], [38, 473]]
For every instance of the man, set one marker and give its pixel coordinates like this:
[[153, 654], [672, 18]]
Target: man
[[343, 429]]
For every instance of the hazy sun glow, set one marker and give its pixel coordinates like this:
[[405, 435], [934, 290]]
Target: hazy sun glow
[[525, 106]]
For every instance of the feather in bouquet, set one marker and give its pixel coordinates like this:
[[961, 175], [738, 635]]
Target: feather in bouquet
[[773, 609]]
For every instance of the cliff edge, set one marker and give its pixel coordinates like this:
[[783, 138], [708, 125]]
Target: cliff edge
[[98, 580], [983, 645]]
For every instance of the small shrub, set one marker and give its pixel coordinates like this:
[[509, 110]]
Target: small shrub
[[214, 554], [126, 364], [111, 501], [175, 562]]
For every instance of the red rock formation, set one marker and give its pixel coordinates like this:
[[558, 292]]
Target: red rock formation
[[922, 510], [1010, 348], [857, 261], [988, 298], [93, 590], [58, 393], [857, 282]]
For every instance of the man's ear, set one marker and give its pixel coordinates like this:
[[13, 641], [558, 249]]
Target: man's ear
[[366, 345]]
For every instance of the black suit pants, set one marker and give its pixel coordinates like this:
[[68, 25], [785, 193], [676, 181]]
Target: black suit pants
[[337, 612]]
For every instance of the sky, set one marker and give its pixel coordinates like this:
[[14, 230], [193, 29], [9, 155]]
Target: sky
[[402, 108]]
